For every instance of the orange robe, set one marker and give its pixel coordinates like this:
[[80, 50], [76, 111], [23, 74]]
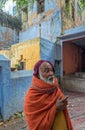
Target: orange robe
[[40, 105]]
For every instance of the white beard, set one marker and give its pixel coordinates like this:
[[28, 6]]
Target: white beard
[[49, 80]]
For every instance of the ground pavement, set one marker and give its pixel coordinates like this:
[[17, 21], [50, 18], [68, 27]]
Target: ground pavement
[[76, 107]]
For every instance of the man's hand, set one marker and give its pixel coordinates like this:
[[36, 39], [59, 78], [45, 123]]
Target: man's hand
[[61, 103]]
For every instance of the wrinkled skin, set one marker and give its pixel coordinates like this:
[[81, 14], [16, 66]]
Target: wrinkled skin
[[46, 73]]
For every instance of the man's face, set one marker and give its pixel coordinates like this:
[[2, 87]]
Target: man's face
[[46, 73]]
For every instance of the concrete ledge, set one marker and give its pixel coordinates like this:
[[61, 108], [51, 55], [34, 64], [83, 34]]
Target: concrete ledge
[[21, 73], [73, 84]]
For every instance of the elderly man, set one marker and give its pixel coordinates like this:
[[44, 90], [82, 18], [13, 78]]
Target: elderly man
[[45, 105]]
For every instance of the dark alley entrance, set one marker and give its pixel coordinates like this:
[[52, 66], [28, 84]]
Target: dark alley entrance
[[73, 61], [73, 58]]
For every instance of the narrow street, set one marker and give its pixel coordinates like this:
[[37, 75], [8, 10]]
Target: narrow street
[[76, 107]]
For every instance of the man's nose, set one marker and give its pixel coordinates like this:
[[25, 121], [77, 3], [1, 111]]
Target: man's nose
[[51, 73]]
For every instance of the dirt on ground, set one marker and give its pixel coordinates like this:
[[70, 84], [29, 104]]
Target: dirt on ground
[[16, 122]]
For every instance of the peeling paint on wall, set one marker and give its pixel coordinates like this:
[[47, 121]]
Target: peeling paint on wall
[[7, 37], [50, 4], [49, 29]]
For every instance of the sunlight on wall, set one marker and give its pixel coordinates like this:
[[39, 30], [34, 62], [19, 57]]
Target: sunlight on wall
[[29, 50]]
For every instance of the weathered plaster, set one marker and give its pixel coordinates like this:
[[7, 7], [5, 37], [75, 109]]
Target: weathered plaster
[[7, 36], [49, 29]]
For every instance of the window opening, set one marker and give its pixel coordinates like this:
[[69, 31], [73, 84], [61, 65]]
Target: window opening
[[41, 6], [73, 11], [25, 15]]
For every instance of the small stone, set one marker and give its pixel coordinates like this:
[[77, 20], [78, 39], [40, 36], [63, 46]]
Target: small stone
[[1, 123]]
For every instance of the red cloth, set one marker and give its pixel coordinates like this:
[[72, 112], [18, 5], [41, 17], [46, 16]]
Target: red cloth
[[37, 65], [40, 105]]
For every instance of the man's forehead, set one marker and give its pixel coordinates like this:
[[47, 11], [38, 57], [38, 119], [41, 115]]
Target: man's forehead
[[45, 65]]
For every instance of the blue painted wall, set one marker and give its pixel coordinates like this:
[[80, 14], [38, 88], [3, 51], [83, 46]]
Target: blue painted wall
[[52, 28], [75, 30], [31, 33], [47, 50], [20, 82], [8, 36], [5, 85], [48, 30], [13, 87], [49, 5]]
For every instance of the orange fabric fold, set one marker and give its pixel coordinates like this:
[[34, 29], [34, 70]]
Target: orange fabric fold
[[39, 105]]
